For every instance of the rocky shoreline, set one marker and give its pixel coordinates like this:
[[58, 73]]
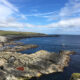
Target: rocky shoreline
[[17, 66], [18, 48], [17, 37], [13, 46], [75, 76], [22, 37]]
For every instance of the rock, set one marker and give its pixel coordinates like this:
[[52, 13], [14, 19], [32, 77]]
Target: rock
[[67, 52], [3, 39], [75, 76], [11, 59], [13, 43], [2, 75], [1, 45], [2, 61], [11, 77], [25, 66], [20, 48], [25, 47]]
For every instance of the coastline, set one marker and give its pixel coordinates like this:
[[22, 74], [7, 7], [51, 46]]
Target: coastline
[[66, 58], [11, 36], [25, 66]]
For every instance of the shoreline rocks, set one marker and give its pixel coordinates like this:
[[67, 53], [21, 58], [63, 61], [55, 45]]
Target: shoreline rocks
[[25, 66], [75, 76], [13, 37], [3, 39], [19, 48], [13, 43]]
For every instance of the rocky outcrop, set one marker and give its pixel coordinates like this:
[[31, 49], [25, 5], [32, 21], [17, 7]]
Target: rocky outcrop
[[75, 76], [68, 52], [13, 43], [17, 66], [18, 48], [13, 46], [3, 39]]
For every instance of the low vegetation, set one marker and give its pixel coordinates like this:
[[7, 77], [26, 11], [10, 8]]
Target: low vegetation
[[75, 76], [5, 33]]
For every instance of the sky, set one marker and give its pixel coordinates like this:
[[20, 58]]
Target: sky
[[42, 16]]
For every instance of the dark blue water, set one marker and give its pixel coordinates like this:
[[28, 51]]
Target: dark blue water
[[55, 44]]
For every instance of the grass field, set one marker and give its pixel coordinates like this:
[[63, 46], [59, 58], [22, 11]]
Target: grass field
[[5, 33]]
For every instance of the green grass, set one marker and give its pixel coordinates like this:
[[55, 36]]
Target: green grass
[[4, 33], [76, 75]]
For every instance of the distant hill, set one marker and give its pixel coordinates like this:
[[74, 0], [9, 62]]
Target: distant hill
[[13, 33]]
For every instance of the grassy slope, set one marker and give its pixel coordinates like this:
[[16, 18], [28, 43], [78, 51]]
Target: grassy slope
[[4, 33]]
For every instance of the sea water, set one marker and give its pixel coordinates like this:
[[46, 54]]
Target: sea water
[[55, 44]]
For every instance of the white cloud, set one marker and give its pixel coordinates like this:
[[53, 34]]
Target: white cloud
[[74, 22], [8, 10], [15, 24], [70, 23], [23, 17], [5, 12], [72, 8], [69, 16], [9, 5], [12, 24], [42, 14]]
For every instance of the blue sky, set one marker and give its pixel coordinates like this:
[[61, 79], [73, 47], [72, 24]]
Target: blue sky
[[43, 16]]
